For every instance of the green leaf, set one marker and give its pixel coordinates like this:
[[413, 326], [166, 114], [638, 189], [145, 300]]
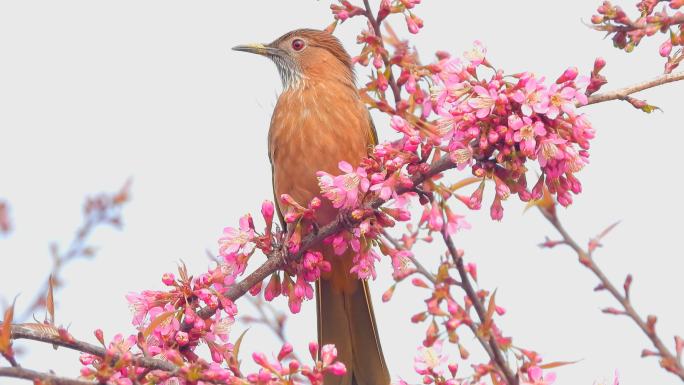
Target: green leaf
[[236, 348]]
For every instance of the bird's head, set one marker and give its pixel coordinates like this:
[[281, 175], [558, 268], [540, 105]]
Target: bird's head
[[306, 55]]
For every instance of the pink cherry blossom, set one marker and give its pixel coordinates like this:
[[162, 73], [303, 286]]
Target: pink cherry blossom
[[364, 264], [533, 97], [526, 132], [477, 54], [484, 102], [237, 240], [343, 190], [430, 359]]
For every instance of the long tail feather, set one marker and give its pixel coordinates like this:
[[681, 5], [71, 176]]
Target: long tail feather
[[346, 319]]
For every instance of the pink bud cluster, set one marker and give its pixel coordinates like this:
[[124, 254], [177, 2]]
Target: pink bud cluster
[[120, 366], [627, 33], [278, 371], [345, 10], [169, 322]]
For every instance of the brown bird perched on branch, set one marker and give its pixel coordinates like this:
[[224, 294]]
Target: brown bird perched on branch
[[318, 121]]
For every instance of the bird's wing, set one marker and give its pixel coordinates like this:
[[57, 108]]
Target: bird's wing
[[373, 134], [275, 198]]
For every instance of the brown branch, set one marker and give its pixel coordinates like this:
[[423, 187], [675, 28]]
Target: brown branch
[[276, 260], [668, 361], [622, 93], [396, 91], [46, 378], [23, 332], [494, 349], [631, 25]]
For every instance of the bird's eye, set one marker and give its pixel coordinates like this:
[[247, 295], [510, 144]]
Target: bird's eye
[[297, 44]]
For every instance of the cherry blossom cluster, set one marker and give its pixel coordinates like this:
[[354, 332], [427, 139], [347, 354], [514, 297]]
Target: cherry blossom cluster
[[627, 32], [489, 125], [495, 125]]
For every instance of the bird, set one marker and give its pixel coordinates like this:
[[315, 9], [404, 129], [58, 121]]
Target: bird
[[318, 121]]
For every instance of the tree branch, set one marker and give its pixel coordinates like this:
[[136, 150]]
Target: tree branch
[[23, 332], [46, 378], [494, 350], [668, 361], [622, 93]]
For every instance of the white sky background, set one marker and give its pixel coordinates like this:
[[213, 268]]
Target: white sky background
[[93, 92]]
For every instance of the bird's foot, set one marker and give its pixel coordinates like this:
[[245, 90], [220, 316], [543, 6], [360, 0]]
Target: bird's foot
[[346, 218]]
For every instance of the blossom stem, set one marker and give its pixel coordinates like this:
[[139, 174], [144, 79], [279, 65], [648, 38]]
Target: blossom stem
[[494, 349], [622, 93], [668, 361]]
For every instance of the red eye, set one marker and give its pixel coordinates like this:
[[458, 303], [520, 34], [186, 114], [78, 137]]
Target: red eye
[[297, 44]]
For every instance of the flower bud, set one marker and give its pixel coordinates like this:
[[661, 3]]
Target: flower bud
[[267, 210], [99, 334], [294, 366], [273, 289], [599, 63], [328, 354], [313, 350], [337, 369], [665, 48], [284, 351], [260, 359], [182, 338], [569, 75], [168, 279]]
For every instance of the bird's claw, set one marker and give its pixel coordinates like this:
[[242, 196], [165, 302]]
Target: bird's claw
[[346, 219]]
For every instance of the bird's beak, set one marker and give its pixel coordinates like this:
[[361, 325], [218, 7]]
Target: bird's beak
[[257, 48]]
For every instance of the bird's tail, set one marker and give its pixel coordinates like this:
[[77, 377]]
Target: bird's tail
[[346, 319]]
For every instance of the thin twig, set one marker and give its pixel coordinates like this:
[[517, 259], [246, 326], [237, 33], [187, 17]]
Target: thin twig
[[622, 93], [45, 378], [396, 91], [104, 209], [494, 349], [668, 360], [11, 359], [272, 322], [419, 266]]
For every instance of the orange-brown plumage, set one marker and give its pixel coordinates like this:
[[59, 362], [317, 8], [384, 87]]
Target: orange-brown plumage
[[318, 121]]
